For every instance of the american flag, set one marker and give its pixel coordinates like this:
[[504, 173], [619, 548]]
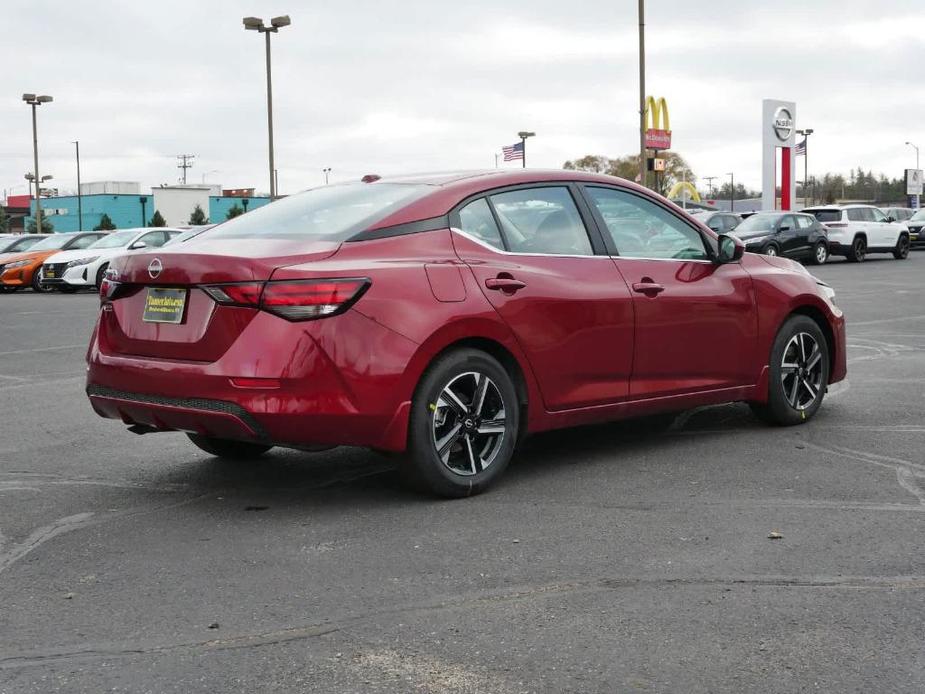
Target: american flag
[[513, 152], [801, 148]]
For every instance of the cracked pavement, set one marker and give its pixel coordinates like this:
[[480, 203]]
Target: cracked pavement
[[607, 559]]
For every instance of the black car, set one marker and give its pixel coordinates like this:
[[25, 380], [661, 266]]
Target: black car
[[720, 222], [790, 234], [916, 232]]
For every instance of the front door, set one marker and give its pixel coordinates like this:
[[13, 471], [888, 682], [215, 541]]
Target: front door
[[696, 322], [560, 294]]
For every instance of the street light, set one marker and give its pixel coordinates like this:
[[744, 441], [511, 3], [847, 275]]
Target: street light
[[916, 147], [80, 211], [326, 171], [523, 135], [732, 191], [256, 24], [34, 101], [805, 133]]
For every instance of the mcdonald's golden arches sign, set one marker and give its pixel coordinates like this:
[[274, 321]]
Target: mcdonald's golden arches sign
[[657, 137]]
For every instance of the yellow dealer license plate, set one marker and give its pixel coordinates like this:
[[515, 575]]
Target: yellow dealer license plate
[[50, 273], [164, 305]]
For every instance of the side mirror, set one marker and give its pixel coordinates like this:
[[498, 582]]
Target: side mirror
[[137, 245], [731, 249]]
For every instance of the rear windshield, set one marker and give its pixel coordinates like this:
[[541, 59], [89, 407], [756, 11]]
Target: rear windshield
[[826, 215], [331, 213], [758, 222], [18, 245]]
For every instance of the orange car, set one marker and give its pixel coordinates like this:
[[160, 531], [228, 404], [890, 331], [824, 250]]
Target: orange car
[[25, 269]]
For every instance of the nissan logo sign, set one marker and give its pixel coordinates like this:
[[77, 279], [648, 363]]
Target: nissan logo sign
[[783, 123], [155, 268]]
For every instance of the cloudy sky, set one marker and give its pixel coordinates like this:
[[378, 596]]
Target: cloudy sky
[[417, 85]]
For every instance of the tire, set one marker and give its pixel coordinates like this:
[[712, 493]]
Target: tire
[[37, 282], [771, 250], [7, 289], [858, 250], [820, 254], [99, 275], [444, 412], [790, 388], [229, 450], [901, 252]]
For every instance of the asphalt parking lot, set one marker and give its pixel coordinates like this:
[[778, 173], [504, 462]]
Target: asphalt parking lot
[[606, 559]]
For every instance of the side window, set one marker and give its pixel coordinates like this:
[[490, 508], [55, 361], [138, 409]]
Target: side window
[[856, 214], [804, 222], [787, 222], [717, 223], [476, 220], [542, 220], [642, 229], [155, 239], [876, 215], [83, 242]]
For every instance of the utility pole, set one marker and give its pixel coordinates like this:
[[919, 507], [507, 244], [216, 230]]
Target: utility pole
[[186, 162], [709, 180], [642, 92], [80, 212], [732, 192]]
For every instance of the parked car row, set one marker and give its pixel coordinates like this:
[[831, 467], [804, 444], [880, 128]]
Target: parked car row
[[816, 233], [69, 262]]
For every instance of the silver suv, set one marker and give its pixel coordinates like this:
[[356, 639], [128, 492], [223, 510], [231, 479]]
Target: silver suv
[[856, 230]]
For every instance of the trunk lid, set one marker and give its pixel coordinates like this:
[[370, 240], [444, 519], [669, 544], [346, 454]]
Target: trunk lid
[[206, 329]]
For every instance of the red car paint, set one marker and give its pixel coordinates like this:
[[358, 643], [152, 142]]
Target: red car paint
[[588, 338]]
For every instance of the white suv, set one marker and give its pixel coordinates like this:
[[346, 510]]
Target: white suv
[[856, 230]]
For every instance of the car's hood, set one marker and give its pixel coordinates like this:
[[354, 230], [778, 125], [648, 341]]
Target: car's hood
[[77, 254], [29, 255]]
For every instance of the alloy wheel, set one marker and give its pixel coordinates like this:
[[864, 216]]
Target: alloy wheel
[[860, 249], [469, 423], [801, 371], [770, 250], [822, 254]]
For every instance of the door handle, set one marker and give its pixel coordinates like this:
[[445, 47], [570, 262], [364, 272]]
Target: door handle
[[504, 284], [648, 287]]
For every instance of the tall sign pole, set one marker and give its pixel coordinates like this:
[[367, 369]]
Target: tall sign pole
[[642, 92]]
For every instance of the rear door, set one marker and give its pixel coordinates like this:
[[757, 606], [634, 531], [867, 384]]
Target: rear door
[[554, 285], [886, 233], [788, 236], [696, 323], [806, 226]]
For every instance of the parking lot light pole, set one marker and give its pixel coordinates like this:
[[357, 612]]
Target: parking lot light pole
[[523, 135], [806, 133], [643, 155], [732, 191], [916, 147], [34, 101], [256, 24], [80, 212], [326, 171]]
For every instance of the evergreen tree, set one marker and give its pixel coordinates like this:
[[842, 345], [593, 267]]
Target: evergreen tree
[[105, 224], [198, 218], [157, 220], [47, 227], [234, 211], [4, 221]]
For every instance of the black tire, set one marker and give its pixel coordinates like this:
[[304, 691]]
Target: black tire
[[782, 384], [901, 252], [229, 450], [820, 254], [5, 289], [99, 275], [771, 250], [458, 425], [37, 285], [858, 250]]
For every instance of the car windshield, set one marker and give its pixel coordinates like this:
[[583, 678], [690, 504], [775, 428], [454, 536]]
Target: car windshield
[[18, 245], [825, 215], [758, 222], [116, 240], [331, 213], [52, 242], [918, 216]]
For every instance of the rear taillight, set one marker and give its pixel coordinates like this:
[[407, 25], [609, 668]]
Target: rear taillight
[[295, 300], [109, 288]]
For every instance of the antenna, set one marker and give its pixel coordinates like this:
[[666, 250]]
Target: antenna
[[186, 162]]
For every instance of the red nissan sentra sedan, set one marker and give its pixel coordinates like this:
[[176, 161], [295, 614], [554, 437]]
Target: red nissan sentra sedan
[[447, 316]]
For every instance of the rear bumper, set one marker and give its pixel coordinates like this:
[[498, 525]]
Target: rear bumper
[[338, 381]]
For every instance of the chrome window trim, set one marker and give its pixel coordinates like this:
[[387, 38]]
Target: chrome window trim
[[559, 255]]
